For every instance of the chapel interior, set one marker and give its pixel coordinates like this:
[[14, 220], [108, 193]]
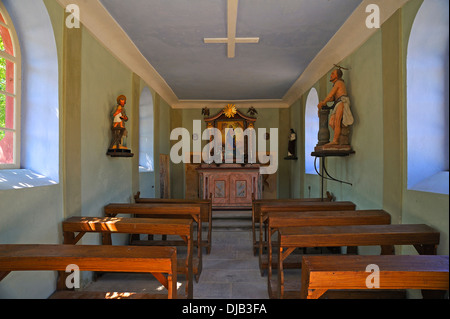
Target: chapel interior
[[183, 69]]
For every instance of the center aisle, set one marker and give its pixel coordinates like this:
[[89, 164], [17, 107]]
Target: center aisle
[[231, 271]]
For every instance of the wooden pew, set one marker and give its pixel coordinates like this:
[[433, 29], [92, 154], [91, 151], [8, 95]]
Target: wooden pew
[[323, 273], [205, 211], [74, 228], [261, 213], [155, 260], [256, 204], [317, 218], [153, 210], [424, 238]]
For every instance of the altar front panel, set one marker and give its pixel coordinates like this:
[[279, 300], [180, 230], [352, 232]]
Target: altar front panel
[[230, 185]]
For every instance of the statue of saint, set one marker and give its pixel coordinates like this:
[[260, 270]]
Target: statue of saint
[[341, 115], [118, 125]]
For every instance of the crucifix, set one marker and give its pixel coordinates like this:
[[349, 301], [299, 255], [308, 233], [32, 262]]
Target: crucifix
[[231, 39]]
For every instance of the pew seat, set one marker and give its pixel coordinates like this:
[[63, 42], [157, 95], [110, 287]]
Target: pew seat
[[74, 228], [159, 261], [165, 211], [205, 211], [424, 238], [276, 220], [261, 211], [323, 273]]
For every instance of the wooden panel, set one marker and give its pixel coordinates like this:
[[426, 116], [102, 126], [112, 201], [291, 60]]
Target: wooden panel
[[321, 273], [334, 218], [231, 185], [86, 257], [358, 235], [129, 225], [241, 189]]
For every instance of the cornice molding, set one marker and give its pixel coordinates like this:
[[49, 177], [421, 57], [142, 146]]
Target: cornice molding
[[212, 104]]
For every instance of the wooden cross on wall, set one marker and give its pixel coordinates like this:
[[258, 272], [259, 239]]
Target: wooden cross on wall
[[231, 39]]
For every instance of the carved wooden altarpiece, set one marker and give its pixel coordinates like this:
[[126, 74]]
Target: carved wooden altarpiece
[[231, 185]]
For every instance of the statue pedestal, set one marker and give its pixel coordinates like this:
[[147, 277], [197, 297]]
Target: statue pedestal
[[324, 135], [337, 147], [119, 152], [324, 132]]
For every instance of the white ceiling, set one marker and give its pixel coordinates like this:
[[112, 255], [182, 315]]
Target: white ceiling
[[170, 35]]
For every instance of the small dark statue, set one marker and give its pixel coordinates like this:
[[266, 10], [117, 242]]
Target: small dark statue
[[205, 111], [252, 111], [292, 145]]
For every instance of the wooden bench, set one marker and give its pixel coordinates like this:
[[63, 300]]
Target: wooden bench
[[153, 210], [317, 218], [155, 260], [205, 212], [323, 273], [424, 238], [256, 204], [264, 209], [74, 229]]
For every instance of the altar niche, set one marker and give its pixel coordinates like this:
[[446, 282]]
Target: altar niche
[[232, 140], [234, 127]]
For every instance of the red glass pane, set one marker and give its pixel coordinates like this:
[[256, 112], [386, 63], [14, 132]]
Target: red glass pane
[[6, 147], [6, 41], [6, 75], [6, 112]]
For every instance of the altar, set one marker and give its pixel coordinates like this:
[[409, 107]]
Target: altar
[[230, 186], [235, 179]]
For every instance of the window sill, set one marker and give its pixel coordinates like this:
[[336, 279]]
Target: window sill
[[22, 178], [438, 183], [145, 170]]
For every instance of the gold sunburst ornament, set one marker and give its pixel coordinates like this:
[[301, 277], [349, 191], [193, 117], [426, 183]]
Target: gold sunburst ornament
[[230, 110]]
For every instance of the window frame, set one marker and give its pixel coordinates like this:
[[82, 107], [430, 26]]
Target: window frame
[[16, 59]]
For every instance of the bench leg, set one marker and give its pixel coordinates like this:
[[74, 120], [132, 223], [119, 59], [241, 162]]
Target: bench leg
[[106, 239], [172, 286], [189, 267], [61, 281], [387, 250]]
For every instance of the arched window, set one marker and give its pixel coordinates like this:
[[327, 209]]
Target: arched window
[[146, 131], [31, 108], [9, 93], [311, 129], [427, 99]]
